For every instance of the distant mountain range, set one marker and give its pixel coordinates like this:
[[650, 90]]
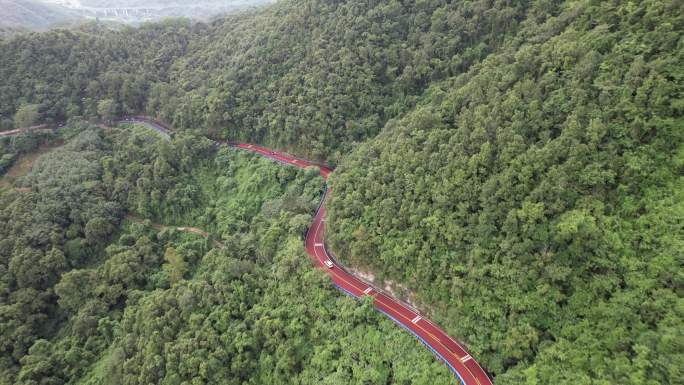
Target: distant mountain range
[[39, 15], [30, 14]]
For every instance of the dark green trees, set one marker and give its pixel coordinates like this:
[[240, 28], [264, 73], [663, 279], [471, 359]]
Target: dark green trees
[[308, 75], [88, 298], [519, 201]]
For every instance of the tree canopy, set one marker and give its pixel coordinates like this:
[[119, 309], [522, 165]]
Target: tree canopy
[[516, 166], [89, 297], [533, 204]]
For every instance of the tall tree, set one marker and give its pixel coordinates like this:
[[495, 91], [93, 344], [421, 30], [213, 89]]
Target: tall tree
[[27, 115], [106, 109]]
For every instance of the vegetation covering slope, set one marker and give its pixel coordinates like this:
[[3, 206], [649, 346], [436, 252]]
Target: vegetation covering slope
[[307, 75], [518, 165], [11, 147], [535, 202], [89, 298]]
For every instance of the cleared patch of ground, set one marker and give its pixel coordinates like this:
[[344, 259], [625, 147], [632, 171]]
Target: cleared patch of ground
[[24, 163], [160, 227]]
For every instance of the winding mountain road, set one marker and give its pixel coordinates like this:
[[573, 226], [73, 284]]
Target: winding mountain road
[[464, 366], [453, 354]]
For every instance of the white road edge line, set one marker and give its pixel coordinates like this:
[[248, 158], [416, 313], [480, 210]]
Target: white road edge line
[[368, 290], [464, 359]]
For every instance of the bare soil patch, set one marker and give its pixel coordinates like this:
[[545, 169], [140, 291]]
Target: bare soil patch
[[194, 230], [23, 164]]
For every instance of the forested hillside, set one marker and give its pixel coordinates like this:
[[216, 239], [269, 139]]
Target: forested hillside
[[516, 166], [88, 297], [535, 202], [12, 147], [306, 75]]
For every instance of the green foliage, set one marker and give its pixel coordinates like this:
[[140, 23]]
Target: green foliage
[[106, 109], [175, 266], [309, 75], [87, 300], [11, 147], [517, 165], [34, 228], [534, 203], [27, 115]]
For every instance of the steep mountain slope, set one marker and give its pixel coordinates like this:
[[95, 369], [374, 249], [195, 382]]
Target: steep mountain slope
[[87, 297], [302, 74], [535, 202], [516, 165]]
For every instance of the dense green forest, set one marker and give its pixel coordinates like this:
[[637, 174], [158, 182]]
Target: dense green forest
[[311, 76], [516, 165], [89, 297], [535, 203]]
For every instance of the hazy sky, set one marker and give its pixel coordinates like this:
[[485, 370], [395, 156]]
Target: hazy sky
[[143, 10], [153, 3], [44, 14]]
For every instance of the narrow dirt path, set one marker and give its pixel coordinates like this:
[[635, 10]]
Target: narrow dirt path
[[25, 129], [194, 230]]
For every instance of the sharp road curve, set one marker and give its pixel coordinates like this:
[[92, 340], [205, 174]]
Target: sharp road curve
[[453, 354], [468, 371]]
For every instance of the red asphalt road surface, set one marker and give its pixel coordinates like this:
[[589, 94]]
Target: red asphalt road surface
[[445, 347]]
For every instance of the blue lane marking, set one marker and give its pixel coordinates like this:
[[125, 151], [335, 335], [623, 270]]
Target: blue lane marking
[[347, 292], [427, 345], [436, 353]]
